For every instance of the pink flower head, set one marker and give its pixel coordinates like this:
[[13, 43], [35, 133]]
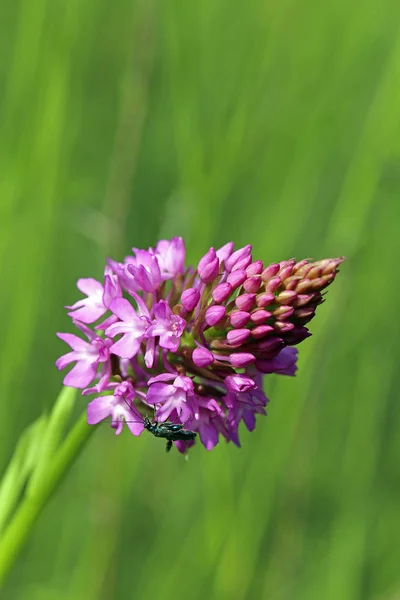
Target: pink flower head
[[117, 406], [194, 344], [168, 326]]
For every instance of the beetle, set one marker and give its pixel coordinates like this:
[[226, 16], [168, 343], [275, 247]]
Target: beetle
[[172, 432]]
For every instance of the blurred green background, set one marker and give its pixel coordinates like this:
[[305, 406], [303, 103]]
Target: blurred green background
[[275, 123]]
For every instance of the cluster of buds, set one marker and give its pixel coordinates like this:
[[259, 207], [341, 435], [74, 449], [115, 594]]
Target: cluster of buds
[[189, 346]]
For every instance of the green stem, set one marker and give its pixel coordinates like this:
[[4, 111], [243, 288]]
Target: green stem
[[25, 516]]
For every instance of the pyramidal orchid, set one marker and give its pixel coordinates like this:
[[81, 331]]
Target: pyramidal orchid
[[190, 345]]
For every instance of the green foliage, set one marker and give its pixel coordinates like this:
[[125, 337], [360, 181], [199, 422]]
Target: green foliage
[[275, 123]]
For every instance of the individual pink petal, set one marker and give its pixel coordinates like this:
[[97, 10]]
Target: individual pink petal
[[161, 377], [208, 436], [126, 347], [159, 392], [116, 328], [81, 375], [106, 323], [135, 427], [88, 314], [99, 409], [74, 341], [150, 352], [225, 251], [89, 286], [66, 359], [123, 309]]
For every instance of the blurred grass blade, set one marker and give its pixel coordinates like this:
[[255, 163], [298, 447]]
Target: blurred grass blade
[[50, 442], [20, 467]]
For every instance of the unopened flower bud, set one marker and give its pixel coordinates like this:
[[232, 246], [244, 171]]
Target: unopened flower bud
[[270, 344], [273, 284], [321, 282], [242, 264], [221, 292], [237, 256], [255, 268], [270, 271], [297, 335], [283, 312], [304, 313], [239, 318], [265, 299], [241, 359], [245, 301], [286, 270], [286, 297], [303, 286], [300, 264], [285, 263], [314, 272], [259, 316], [214, 315], [303, 299], [202, 357], [304, 269], [329, 265], [290, 282], [208, 267], [283, 326], [225, 251], [252, 284], [261, 331], [190, 299], [236, 278], [236, 337]]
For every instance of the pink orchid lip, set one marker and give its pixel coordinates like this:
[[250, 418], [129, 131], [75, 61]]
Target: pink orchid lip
[[182, 352]]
